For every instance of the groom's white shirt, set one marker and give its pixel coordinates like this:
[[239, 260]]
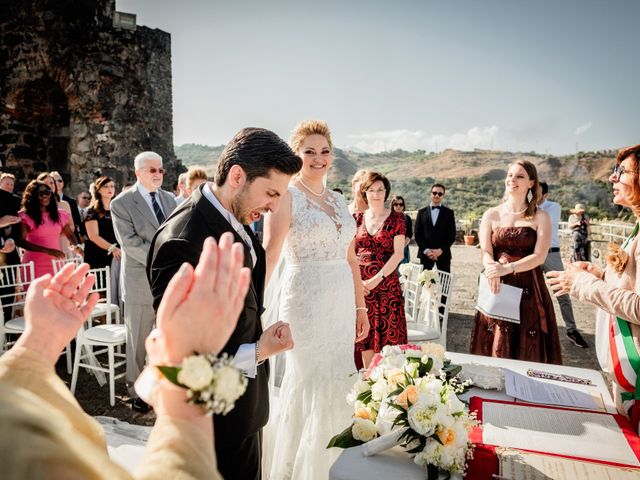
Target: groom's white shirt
[[245, 357]]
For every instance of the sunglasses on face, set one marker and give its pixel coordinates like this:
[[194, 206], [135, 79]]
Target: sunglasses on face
[[45, 192], [438, 194], [153, 170], [398, 204], [59, 180]]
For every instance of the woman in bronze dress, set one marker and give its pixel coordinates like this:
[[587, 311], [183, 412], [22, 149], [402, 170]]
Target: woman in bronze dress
[[515, 238]]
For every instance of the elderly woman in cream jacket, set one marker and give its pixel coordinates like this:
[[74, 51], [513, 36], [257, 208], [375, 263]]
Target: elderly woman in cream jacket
[[616, 291], [43, 431]]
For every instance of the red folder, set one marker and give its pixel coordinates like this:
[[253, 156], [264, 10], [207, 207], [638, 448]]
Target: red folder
[[485, 461]]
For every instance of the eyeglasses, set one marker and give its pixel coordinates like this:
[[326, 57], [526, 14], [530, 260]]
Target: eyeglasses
[[85, 198], [438, 194], [619, 170], [153, 170], [375, 192], [398, 204], [45, 192]]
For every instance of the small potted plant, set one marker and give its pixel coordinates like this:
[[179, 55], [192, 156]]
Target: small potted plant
[[469, 237]]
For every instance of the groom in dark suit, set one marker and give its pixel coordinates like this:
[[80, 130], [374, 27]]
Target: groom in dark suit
[[252, 174], [435, 232]]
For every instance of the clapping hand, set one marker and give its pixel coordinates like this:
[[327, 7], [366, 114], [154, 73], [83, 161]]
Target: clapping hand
[[8, 220], [55, 309], [200, 308]]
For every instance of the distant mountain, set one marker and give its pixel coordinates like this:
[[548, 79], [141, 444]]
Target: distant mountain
[[474, 180]]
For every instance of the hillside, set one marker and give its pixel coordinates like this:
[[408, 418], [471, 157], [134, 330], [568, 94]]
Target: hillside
[[474, 180]]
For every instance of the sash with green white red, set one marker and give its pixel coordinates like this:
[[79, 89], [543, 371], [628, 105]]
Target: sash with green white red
[[625, 357]]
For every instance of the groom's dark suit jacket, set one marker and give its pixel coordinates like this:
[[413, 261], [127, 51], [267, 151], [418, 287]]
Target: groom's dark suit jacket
[[180, 240]]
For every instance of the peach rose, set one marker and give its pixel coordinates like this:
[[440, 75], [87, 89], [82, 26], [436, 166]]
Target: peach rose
[[409, 395], [446, 435], [363, 413]]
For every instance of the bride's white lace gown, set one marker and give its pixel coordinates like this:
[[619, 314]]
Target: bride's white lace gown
[[318, 300]]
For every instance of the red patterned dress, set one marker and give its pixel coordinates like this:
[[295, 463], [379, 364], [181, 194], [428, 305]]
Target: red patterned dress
[[385, 303]]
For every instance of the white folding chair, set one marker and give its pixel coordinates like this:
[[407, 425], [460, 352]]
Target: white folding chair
[[412, 292], [14, 280], [106, 337], [432, 317], [58, 263]]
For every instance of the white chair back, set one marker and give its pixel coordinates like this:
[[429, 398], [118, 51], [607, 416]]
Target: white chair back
[[433, 314], [13, 282], [412, 292], [13, 279], [102, 286], [58, 263]]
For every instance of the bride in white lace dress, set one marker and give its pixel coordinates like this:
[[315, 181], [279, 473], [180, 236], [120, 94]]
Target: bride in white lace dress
[[322, 299]]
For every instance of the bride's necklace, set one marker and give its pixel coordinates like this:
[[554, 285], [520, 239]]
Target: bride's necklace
[[324, 188], [514, 213]]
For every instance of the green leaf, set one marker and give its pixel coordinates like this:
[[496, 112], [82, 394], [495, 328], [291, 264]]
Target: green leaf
[[344, 440], [171, 374], [365, 397]]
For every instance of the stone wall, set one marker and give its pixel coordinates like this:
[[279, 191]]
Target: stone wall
[[79, 95]]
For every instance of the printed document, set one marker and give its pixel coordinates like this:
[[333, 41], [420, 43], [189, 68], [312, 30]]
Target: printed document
[[504, 305]]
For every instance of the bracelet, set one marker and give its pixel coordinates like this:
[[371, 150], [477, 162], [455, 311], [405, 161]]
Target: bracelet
[[111, 248], [258, 362], [212, 382], [362, 308], [513, 267]]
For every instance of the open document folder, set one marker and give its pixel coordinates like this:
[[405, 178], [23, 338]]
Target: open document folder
[[504, 305]]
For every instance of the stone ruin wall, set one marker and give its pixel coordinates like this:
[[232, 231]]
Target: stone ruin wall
[[79, 95]]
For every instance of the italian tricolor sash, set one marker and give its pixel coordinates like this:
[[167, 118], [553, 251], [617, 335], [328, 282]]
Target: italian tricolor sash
[[625, 357]]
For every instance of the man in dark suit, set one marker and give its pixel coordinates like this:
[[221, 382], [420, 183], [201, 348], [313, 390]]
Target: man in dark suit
[[435, 232], [9, 206], [252, 174]]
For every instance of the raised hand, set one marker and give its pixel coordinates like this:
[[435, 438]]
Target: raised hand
[[55, 309], [560, 282], [200, 307]]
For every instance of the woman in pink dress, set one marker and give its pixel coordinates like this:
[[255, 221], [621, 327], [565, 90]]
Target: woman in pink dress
[[40, 228]]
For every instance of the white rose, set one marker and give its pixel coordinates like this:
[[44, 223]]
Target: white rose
[[379, 390], [376, 374], [363, 430], [196, 372], [441, 417], [420, 418], [361, 386], [386, 416], [413, 353], [229, 385], [454, 403], [429, 454]]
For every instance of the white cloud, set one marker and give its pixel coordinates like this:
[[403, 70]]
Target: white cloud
[[375, 142], [583, 128]]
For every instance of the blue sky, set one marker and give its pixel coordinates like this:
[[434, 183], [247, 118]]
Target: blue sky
[[543, 75]]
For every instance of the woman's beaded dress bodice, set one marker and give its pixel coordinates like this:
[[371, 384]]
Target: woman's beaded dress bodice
[[318, 234], [513, 242]]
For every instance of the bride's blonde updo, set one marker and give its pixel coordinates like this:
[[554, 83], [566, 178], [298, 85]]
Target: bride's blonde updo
[[307, 128]]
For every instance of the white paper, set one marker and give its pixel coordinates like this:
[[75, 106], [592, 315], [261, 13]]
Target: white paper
[[505, 305], [564, 432], [535, 390], [532, 466]]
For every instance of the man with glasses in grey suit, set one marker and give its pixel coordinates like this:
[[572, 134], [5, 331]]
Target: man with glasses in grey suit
[[137, 214]]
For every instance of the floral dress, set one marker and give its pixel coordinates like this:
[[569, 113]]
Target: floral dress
[[385, 303]]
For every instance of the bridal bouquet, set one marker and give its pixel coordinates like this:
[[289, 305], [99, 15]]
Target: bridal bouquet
[[409, 393]]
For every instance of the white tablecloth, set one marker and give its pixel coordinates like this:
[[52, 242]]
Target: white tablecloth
[[395, 464]]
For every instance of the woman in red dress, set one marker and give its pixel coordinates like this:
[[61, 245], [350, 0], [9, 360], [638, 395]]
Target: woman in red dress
[[380, 238]]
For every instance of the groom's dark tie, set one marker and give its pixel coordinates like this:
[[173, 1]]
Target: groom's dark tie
[[156, 208]]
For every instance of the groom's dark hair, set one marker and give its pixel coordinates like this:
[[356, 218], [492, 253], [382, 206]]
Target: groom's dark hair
[[257, 151]]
